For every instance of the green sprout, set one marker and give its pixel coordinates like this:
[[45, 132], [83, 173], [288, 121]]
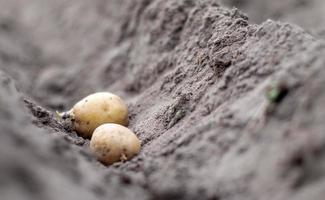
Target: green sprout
[[63, 115], [276, 92], [58, 115]]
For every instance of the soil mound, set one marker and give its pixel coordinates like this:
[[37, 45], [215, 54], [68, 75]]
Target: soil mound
[[225, 109]]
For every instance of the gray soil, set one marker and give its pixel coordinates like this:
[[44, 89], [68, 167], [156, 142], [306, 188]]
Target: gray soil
[[197, 76]]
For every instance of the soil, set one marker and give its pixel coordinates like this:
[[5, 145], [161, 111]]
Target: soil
[[227, 105]]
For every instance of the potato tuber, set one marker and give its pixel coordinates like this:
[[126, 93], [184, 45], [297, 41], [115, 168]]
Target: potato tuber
[[112, 143]]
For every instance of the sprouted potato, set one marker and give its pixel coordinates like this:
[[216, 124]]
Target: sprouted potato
[[95, 110], [112, 143]]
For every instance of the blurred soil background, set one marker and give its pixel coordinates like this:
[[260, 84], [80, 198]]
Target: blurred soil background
[[195, 75]]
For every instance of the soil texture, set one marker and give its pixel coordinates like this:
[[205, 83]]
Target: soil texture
[[227, 105]]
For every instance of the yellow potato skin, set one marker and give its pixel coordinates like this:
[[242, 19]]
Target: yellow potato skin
[[112, 143], [97, 109]]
